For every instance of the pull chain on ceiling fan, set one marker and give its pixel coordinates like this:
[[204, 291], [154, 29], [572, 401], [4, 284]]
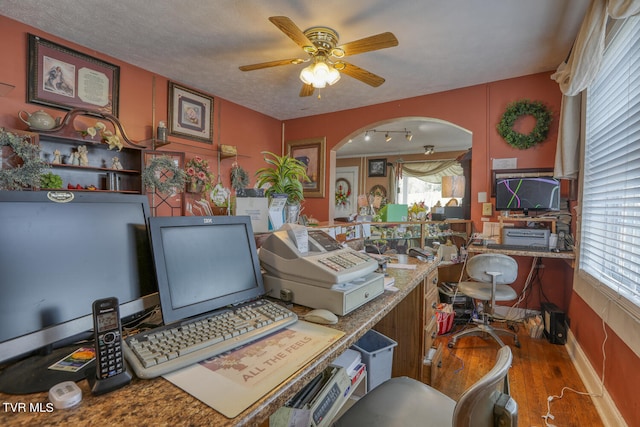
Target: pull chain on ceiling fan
[[325, 55]]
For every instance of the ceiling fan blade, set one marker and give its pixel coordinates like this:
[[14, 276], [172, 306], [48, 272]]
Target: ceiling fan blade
[[367, 44], [287, 26], [362, 75], [271, 64], [307, 90]]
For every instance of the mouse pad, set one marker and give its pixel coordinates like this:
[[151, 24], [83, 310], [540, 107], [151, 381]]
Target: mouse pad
[[233, 381]]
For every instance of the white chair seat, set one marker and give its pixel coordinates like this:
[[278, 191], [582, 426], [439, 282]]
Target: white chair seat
[[400, 402], [404, 402], [482, 291]]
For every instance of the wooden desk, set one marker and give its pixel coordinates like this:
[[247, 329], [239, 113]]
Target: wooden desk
[[159, 402], [568, 255]]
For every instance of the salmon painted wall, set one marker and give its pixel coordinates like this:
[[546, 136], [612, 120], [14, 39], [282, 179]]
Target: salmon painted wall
[[476, 108], [136, 107], [620, 376]]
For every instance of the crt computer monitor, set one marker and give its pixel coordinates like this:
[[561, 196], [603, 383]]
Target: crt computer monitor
[[528, 194], [204, 263], [58, 255]]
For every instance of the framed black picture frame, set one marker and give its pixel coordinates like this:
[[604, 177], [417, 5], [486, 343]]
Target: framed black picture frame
[[377, 167], [190, 114], [311, 152], [64, 78]]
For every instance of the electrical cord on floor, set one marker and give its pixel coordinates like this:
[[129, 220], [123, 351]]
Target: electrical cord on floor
[[550, 399]]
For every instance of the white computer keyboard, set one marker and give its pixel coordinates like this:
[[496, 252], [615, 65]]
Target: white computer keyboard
[[167, 348]]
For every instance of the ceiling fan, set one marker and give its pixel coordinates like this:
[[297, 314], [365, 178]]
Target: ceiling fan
[[325, 55]]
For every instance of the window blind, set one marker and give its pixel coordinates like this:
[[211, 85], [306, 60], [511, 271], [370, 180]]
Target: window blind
[[610, 224]]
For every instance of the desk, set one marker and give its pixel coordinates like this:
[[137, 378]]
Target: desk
[[567, 255], [158, 402]]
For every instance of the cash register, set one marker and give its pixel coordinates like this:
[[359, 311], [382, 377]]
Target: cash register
[[310, 268]]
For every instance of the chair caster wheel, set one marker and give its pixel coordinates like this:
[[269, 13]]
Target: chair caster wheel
[[451, 344]]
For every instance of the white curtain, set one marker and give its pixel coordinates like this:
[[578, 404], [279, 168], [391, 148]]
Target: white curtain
[[577, 73], [432, 171]]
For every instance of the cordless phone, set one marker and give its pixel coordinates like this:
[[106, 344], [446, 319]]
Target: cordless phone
[[111, 371]]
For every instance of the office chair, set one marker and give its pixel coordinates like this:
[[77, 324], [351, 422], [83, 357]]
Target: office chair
[[404, 402], [492, 273]]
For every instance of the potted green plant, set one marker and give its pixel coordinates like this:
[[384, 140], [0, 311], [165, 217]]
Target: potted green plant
[[50, 180], [284, 176]]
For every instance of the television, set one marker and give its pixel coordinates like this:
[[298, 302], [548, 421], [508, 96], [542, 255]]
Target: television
[[204, 263], [59, 252], [540, 193]]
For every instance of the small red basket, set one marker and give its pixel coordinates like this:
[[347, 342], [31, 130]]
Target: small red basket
[[444, 317]]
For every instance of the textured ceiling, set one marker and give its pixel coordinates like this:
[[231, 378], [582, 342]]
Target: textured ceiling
[[443, 45]]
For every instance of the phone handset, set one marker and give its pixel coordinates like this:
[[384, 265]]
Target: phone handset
[[111, 370]]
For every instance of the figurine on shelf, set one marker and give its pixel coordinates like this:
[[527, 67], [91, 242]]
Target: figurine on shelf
[[82, 156], [115, 163], [74, 159], [56, 157]]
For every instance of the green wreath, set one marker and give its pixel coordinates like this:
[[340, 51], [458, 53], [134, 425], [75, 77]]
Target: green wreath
[[525, 108], [164, 167], [27, 174]]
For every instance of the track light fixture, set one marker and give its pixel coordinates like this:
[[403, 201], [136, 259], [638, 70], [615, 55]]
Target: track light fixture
[[408, 135], [387, 134], [429, 149]]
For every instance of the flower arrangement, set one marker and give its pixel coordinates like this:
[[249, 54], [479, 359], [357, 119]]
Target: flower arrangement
[[416, 208], [342, 195], [198, 173], [418, 211], [106, 135]]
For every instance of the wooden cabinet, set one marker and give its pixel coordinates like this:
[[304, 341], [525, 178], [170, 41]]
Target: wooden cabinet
[[99, 172], [416, 354], [432, 352], [60, 145], [457, 230], [398, 236]]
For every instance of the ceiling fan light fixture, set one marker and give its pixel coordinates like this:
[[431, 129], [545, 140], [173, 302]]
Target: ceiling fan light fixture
[[319, 74]]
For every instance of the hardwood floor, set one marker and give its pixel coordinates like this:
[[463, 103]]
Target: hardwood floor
[[540, 369]]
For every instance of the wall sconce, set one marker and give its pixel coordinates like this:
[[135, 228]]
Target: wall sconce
[[387, 138], [453, 186], [429, 149]]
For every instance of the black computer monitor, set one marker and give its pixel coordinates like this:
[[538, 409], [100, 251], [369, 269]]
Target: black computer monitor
[[59, 252], [527, 193], [204, 263]]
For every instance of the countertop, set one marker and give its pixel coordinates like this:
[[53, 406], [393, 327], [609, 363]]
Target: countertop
[[485, 250], [158, 402]]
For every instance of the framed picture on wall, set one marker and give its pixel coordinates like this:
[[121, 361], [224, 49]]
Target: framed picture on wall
[[377, 167], [310, 152], [190, 114], [65, 78]]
